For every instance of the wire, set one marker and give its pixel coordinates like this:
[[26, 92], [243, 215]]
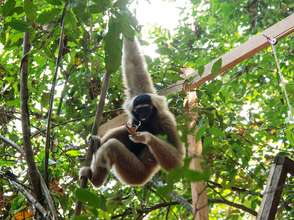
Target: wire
[[283, 82]]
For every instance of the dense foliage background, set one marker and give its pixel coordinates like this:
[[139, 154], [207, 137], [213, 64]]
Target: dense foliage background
[[243, 115]]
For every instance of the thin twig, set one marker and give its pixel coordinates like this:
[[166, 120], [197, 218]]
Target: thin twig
[[48, 198], [236, 189], [63, 93], [92, 145], [54, 81], [27, 194], [236, 205], [100, 106], [43, 185], [171, 203], [12, 144]]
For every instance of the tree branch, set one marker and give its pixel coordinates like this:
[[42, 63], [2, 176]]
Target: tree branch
[[25, 120], [12, 144], [54, 81], [171, 203], [236, 189], [236, 205]]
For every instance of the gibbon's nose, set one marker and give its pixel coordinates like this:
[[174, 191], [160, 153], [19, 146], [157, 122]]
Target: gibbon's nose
[[143, 113]]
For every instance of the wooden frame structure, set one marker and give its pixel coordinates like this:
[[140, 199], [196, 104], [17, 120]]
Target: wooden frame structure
[[274, 187], [229, 60]]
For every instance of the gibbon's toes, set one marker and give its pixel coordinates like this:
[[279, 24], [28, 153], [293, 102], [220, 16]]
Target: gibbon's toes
[[85, 172]]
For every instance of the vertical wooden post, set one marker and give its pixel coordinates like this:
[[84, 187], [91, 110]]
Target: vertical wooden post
[[274, 187], [199, 192]]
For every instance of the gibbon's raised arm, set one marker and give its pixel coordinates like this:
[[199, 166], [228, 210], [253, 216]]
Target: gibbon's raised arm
[[135, 73]]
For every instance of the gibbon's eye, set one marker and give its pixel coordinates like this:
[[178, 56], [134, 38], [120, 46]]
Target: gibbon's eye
[[143, 112]]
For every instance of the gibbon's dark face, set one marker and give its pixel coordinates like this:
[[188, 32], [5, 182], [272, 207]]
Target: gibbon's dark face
[[143, 108]]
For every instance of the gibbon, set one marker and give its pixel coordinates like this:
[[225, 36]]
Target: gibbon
[[138, 150]]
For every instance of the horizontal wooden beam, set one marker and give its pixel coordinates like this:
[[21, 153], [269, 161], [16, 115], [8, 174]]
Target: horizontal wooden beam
[[237, 55], [229, 60]]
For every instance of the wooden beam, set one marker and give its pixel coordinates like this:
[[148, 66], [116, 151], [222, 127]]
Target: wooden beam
[[198, 188], [274, 187], [229, 60], [237, 55]]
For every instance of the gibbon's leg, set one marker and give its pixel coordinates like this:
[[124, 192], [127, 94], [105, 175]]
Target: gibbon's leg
[[135, 74], [128, 168]]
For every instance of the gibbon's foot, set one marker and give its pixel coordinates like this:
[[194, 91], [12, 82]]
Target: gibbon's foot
[[85, 172], [99, 176]]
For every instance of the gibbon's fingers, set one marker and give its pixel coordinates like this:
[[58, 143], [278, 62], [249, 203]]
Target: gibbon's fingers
[[131, 129], [140, 137]]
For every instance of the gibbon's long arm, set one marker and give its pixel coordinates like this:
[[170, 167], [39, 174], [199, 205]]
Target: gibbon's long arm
[[166, 155], [169, 155], [135, 73]]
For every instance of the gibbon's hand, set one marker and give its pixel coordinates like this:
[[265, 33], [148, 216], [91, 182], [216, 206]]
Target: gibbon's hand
[[141, 137]]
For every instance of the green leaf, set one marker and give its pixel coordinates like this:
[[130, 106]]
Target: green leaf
[[18, 10], [45, 99], [19, 25], [113, 46], [54, 2], [290, 88], [30, 10], [126, 27], [73, 153], [6, 163], [216, 132], [192, 175], [200, 133], [70, 20], [99, 6], [216, 67], [91, 198], [290, 134], [80, 218], [201, 70], [8, 8], [47, 16], [81, 11]]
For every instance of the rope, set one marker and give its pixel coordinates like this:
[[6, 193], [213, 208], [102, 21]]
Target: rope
[[283, 82]]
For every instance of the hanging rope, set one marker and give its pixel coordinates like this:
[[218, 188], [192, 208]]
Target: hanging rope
[[283, 82]]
